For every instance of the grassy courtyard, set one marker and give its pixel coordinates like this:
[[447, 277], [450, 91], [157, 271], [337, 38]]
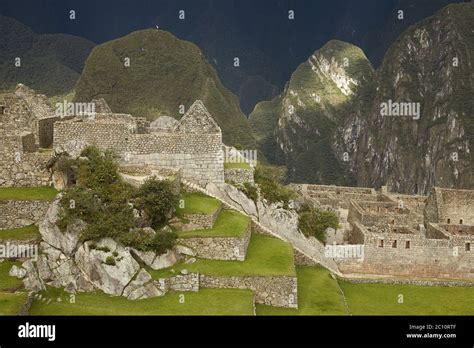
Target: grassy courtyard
[[30, 232], [318, 294], [383, 299], [204, 302], [8, 283], [266, 256], [11, 303], [229, 223], [197, 203], [42, 193]]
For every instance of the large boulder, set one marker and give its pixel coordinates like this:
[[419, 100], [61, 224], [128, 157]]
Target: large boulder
[[155, 261], [142, 287], [110, 277], [66, 241]]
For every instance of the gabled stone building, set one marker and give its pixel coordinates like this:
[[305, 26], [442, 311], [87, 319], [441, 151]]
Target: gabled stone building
[[192, 144]]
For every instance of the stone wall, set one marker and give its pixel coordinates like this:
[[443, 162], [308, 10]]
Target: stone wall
[[182, 282], [238, 175], [200, 221], [21, 167], [450, 206], [379, 213], [219, 248], [199, 155], [14, 214], [271, 291], [412, 255]]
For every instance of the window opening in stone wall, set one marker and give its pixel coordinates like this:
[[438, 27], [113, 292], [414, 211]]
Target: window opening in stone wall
[[461, 221], [394, 244], [449, 221], [381, 243], [468, 246], [407, 244]]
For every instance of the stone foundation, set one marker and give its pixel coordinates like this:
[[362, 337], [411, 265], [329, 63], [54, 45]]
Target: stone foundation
[[200, 221], [14, 214], [219, 248], [271, 291]]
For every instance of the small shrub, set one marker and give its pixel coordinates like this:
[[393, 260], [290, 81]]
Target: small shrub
[[99, 170], [110, 260], [268, 179], [115, 254], [250, 191]]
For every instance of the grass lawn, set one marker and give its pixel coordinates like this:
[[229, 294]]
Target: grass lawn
[[318, 294], [198, 203], [382, 299], [266, 256], [203, 302], [10, 303], [229, 223], [8, 283], [30, 232], [42, 193], [241, 165]]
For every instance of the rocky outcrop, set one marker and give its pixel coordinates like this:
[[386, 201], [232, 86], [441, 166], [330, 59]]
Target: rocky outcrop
[[111, 278], [66, 241], [66, 262]]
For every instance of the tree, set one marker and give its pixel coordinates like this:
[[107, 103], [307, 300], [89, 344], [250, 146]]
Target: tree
[[157, 200], [314, 222]]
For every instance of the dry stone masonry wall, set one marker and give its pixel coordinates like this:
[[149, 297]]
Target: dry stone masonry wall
[[14, 214], [219, 248]]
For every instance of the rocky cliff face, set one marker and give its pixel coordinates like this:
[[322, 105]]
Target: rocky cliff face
[[297, 125], [431, 66]]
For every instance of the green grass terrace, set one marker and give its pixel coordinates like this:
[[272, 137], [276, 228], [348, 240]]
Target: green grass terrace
[[238, 165], [42, 193], [30, 232], [203, 302], [229, 223], [197, 203], [266, 256]]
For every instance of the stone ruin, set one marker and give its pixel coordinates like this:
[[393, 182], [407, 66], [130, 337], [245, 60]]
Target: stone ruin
[[30, 129]]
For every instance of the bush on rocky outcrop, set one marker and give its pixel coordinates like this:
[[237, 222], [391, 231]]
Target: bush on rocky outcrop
[[269, 180], [314, 222], [157, 200], [110, 207]]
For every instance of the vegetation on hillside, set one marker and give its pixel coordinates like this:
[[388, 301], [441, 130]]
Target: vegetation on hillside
[[109, 206], [302, 139], [51, 63], [164, 73]]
